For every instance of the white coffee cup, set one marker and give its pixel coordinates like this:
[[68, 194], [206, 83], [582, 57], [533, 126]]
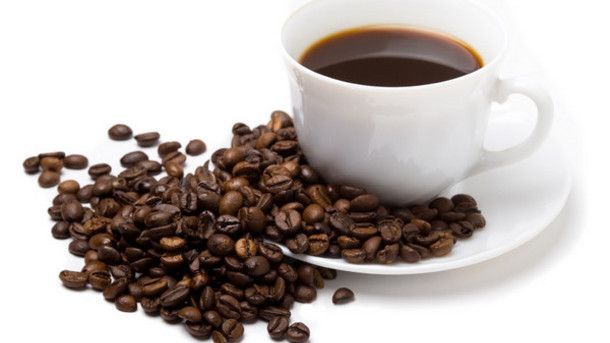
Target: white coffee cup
[[405, 144]]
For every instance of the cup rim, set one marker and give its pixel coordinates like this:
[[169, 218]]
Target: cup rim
[[356, 86]]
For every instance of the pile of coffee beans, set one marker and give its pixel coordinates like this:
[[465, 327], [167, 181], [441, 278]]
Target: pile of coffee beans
[[196, 247]]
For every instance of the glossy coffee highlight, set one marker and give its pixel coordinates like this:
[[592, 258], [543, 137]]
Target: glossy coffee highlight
[[391, 56]]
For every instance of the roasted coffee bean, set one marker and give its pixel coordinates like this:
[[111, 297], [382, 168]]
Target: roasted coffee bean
[[78, 247], [61, 230], [354, 255], [313, 213], [289, 222], [68, 187], [151, 167], [147, 139], [168, 147], [409, 255], [305, 294], [190, 314], [218, 337], [277, 327], [126, 303], [371, 246], [31, 165], [175, 170], [76, 161], [74, 280], [51, 164], [299, 244], [343, 295], [232, 156], [131, 159], [228, 306], [464, 202], [230, 203], [115, 289], [461, 231], [120, 132], [318, 244], [174, 296], [220, 244], [279, 120], [99, 169], [232, 330], [297, 333], [477, 220], [442, 247], [306, 274], [72, 211], [388, 254], [195, 147], [246, 247], [257, 265], [99, 280], [48, 179], [198, 330], [364, 203]]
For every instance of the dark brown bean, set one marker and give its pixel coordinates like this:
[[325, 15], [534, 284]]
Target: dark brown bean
[[31, 165], [99, 169], [74, 280], [132, 158], [147, 139], [343, 295], [297, 333], [195, 147], [277, 327], [48, 179], [120, 132], [76, 161], [126, 303]]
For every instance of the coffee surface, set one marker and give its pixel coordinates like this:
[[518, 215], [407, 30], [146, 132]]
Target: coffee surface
[[391, 56]]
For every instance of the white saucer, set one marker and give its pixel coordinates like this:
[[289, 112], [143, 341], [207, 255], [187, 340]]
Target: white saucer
[[518, 201]]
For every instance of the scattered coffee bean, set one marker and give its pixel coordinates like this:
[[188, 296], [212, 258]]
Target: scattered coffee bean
[[99, 169], [31, 165], [120, 132], [48, 179], [147, 139], [126, 303], [194, 247], [131, 159], [297, 333], [73, 280], [51, 164], [343, 295], [76, 161], [195, 147], [168, 147]]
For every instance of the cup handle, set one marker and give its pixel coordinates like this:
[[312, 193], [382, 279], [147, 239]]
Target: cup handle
[[544, 104]]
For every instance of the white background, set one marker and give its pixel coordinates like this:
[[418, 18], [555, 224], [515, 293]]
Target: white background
[[70, 69]]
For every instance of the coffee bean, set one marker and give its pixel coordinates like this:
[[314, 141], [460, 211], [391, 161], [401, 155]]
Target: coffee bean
[[388, 254], [168, 147], [218, 337], [299, 244], [31, 165], [354, 255], [174, 296], [289, 222], [151, 167], [442, 247], [343, 295], [68, 187], [220, 244], [99, 169], [74, 280], [51, 164], [76, 161], [120, 132], [72, 211], [313, 213], [277, 327], [232, 330], [269, 312], [257, 265], [279, 120], [126, 303], [174, 170], [199, 330], [228, 306], [230, 203], [364, 203], [464, 202], [131, 159], [246, 247], [305, 294], [477, 220], [190, 314], [147, 139], [48, 179], [297, 333], [195, 147], [409, 255], [99, 280]]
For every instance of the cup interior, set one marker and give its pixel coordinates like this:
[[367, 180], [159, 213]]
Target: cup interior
[[462, 19]]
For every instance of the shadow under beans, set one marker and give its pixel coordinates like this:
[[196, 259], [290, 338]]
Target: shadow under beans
[[547, 248]]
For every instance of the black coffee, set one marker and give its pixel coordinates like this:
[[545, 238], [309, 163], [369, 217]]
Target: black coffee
[[391, 56]]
